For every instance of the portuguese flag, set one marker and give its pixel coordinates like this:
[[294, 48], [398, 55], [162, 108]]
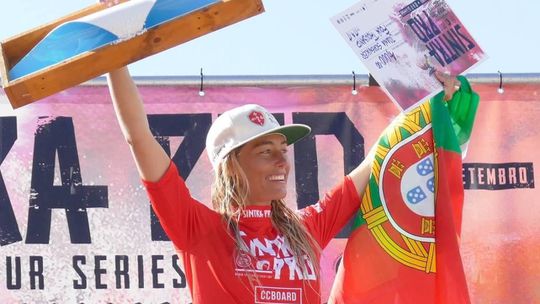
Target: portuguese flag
[[405, 248]]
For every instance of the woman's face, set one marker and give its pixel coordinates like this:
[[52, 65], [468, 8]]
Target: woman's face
[[264, 161]]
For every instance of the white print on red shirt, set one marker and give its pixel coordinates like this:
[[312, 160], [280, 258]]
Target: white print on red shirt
[[256, 213], [272, 259], [271, 295]]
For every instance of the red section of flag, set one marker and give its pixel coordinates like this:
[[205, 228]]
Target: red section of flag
[[385, 263], [451, 286], [368, 274]]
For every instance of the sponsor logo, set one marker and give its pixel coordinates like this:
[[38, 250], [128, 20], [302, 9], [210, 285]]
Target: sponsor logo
[[276, 295], [257, 118], [274, 259], [256, 213]]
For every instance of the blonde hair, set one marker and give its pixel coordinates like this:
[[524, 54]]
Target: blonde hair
[[229, 198]]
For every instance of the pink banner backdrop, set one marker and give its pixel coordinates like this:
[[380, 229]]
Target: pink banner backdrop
[[67, 167]]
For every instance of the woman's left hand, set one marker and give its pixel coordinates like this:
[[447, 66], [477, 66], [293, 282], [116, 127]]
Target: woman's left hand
[[450, 83]]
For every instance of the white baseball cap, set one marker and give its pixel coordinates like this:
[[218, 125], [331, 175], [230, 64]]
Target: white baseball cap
[[240, 125]]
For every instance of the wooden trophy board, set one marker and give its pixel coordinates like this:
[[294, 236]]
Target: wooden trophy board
[[89, 65]]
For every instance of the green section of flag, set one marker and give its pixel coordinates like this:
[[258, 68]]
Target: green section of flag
[[459, 112]]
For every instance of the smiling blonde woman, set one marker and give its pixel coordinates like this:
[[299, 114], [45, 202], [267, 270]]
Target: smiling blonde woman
[[251, 248]]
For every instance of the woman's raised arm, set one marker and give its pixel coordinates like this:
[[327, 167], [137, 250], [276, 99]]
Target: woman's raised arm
[[150, 158]]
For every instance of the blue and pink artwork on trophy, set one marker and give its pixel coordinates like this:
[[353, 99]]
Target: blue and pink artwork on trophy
[[115, 24]]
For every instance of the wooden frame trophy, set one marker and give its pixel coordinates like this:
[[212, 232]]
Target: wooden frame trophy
[[100, 38]]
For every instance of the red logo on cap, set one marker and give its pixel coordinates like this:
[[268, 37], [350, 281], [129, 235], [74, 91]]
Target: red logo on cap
[[257, 118]]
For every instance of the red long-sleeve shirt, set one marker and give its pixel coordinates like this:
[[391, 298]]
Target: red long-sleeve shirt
[[217, 272]]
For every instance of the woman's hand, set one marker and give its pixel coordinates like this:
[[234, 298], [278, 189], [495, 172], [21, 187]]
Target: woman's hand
[[450, 83]]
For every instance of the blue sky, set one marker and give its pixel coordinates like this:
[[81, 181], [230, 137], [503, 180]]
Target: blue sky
[[296, 37]]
